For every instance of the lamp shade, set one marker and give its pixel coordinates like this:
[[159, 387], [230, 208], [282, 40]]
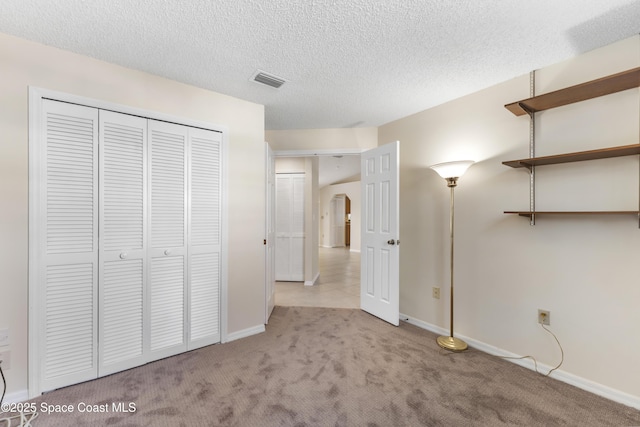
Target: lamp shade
[[452, 169]]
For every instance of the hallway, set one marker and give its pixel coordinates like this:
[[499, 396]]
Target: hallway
[[338, 285]]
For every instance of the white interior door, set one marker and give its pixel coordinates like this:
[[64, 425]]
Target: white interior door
[[337, 220], [380, 254], [270, 226]]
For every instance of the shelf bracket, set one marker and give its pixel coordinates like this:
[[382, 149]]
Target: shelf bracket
[[532, 150], [526, 110]]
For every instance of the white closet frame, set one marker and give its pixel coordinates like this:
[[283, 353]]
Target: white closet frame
[[36, 95]]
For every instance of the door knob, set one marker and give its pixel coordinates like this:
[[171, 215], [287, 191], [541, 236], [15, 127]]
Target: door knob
[[167, 252], [123, 255], [391, 242]]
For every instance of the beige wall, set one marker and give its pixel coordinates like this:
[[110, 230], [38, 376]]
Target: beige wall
[[585, 270], [322, 139], [290, 165], [25, 64]]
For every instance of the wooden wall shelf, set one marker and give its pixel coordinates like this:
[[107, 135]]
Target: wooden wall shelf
[[603, 153], [606, 85], [537, 213]]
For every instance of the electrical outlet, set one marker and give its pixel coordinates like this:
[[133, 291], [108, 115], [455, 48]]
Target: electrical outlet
[[4, 337], [5, 359], [544, 317], [435, 292]]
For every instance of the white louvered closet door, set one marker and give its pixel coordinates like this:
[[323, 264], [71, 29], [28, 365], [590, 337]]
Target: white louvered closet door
[[167, 238], [290, 227], [126, 262], [67, 254], [123, 179], [204, 237]]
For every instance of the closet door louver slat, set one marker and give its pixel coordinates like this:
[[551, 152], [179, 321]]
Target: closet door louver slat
[[123, 319], [167, 307], [205, 190]]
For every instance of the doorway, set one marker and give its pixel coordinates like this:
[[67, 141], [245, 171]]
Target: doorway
[[379, 268], [340, 221], [340, 267]]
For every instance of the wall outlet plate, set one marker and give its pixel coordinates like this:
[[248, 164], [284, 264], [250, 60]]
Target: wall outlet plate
[[544, 317], [435, 292], [5, 358], [4, 337]]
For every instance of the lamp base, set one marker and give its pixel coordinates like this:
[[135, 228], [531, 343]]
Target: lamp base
[[451, 343]]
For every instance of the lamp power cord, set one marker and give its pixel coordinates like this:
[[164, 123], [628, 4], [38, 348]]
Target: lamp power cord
[[535, 363], [4, 382], [24, 418]]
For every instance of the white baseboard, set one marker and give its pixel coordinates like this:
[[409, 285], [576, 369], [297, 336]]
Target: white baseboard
[[354, 250], [574, 380], [312, 282], [254, 330], [16, 396]]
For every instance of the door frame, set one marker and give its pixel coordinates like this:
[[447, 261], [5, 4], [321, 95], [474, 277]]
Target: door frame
[[321, 152], [36, 95], [269, 233]]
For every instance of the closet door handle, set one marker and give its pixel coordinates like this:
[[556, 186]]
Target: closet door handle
[[391, 242], [167, 251], [124, 255]]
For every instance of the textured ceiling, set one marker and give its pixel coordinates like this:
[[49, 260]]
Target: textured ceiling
[[347, 63]]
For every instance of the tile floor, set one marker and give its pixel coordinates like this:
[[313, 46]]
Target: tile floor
[[338, 285]]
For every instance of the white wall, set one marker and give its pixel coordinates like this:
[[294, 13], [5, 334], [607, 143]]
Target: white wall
[[585, 270], [352, 190], [25, 64]]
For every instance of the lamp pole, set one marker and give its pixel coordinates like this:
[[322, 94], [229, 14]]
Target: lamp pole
[[450, 342], [451, 171], [452, 184]]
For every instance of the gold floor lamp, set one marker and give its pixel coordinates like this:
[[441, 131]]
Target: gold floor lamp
[[451, 171]]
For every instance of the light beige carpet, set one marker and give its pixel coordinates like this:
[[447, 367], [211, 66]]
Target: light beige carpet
[[334, 367]]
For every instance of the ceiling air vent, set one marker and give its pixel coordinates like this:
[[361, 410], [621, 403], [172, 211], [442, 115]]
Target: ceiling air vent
[[267, 79]]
